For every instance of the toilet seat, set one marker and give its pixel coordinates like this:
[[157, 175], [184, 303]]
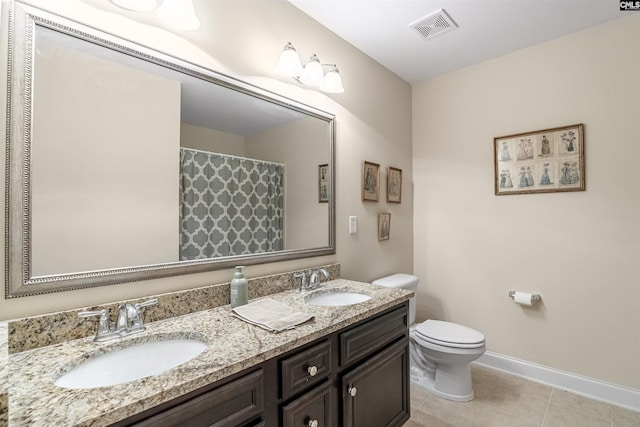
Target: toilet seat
[[449, 334]]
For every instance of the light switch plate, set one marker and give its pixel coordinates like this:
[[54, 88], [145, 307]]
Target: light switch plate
[[353, 224]]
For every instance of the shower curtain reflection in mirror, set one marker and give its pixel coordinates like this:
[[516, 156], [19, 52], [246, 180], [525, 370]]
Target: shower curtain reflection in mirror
[[229, 205]]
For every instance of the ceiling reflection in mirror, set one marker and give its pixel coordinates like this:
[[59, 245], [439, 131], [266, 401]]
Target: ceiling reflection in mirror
[[127, 164]]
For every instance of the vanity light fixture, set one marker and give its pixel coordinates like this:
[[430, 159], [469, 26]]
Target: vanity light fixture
[[312, 73], [179, 14]]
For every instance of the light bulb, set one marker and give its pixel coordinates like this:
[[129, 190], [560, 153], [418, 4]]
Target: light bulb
[[289, 63], [332, 81], [313, 75]]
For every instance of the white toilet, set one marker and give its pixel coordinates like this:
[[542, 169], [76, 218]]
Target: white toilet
[[441, 352]]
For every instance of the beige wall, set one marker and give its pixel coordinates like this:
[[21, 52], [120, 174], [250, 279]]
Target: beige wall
[[373, 122], [72, 165], [205, 139], [579, 250], [306, 224]]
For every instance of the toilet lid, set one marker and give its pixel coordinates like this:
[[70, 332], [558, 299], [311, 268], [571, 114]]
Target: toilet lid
[[449, 334]]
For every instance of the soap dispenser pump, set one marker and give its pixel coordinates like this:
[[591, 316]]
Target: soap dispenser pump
[[239, 288]]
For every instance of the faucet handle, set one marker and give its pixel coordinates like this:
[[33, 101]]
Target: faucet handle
[[138, 321], [101, 313], [147, 303], [104, 327]]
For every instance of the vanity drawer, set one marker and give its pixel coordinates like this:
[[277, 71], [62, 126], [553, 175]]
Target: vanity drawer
[[373, 335], [232, 404], [312, 406], [305, 368]]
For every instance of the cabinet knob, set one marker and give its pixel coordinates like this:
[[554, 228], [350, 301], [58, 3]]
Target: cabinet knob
[[352, 391], [312, 370], [313, 423]]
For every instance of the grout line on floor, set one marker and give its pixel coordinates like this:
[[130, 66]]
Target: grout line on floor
[[546, 410]]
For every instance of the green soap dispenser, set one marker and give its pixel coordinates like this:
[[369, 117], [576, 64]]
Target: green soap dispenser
[[239, 288]]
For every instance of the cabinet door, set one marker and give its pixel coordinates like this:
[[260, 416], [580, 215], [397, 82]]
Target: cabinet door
[[311, 409], [376, 393]]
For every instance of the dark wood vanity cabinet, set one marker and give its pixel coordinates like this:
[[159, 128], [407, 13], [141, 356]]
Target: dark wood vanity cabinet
[[355, 377]]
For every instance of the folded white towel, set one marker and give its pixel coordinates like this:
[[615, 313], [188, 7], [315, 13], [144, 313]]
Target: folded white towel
[[271, 315]]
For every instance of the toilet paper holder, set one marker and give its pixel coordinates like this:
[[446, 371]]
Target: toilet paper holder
[[534, 297]]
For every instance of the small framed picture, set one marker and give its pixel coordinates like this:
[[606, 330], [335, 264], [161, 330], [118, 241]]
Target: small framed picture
[[323, 183], [394, 185], [384, 225], [370, 182]]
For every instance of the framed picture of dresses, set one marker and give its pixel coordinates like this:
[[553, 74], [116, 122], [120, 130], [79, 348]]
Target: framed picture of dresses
[[543, 161], [394, 185], [384, 225], [370, 182]]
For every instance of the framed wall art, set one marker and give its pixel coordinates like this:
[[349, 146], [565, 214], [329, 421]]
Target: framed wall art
[[323, 183], [394, 185], [370, 182], [384, 225], [542, 161]]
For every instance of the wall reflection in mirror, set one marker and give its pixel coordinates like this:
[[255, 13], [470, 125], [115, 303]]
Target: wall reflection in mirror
[[127, 164]]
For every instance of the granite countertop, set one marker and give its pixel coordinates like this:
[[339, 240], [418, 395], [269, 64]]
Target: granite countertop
[[4, 357], [233, 345]]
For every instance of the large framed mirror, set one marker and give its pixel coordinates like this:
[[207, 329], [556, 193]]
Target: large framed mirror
[[126, 164]]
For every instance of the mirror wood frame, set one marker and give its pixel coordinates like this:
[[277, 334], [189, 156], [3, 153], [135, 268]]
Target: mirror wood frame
[[19, 281]]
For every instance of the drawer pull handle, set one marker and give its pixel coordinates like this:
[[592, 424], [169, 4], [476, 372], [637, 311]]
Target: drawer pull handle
[[312, 370], [353, 391], [313, 423]]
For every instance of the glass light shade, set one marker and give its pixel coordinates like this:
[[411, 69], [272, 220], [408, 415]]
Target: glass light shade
[[179, 14], [313, 75], [137, 5], [289, 63], [332, 81]]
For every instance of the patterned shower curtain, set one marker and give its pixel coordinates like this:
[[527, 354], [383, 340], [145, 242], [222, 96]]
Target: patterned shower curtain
[[229, 205]]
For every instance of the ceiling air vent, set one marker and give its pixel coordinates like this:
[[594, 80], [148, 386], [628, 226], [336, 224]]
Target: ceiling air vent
[[438, 22]]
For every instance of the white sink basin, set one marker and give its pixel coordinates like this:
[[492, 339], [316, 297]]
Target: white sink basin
[[131, 363], [336, 298]]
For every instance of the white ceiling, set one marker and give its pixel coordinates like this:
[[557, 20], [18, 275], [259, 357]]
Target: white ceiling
[[486, 28]]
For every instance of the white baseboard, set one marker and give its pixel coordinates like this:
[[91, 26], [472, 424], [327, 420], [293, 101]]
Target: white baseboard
[[606, 392]]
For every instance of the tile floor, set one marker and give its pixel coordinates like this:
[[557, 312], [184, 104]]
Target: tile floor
[[504, 400]]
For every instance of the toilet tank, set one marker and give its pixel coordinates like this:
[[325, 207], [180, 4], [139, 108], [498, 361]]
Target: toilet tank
[[402, 281]]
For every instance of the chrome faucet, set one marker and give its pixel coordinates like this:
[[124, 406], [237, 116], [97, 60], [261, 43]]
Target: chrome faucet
[[130, 320], [314, 279]]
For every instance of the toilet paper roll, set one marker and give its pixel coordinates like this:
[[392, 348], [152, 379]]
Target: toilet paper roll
[[523, 298]]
